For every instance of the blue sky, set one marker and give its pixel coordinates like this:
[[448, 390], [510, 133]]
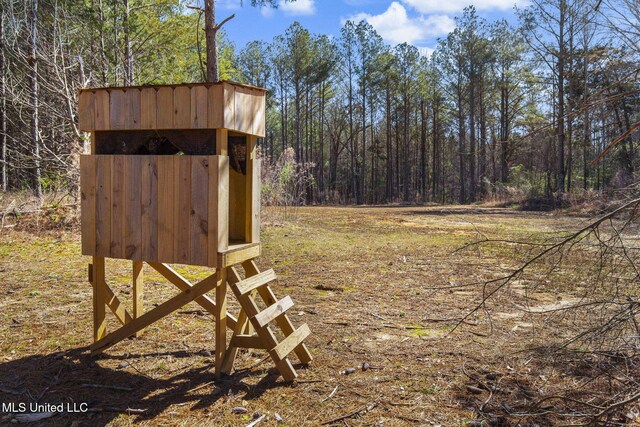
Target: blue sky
[[418, 22]]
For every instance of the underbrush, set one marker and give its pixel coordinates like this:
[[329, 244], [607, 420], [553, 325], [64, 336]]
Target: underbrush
[[23, 211]]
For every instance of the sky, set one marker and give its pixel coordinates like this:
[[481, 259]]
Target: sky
[[417, 22]]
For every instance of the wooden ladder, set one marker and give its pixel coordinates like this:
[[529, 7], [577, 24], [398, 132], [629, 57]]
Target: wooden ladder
[[252, 328]]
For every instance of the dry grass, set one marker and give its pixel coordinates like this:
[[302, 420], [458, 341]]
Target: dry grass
[[384, 274]]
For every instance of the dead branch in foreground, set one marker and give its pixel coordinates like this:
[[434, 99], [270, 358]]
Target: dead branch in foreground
[[598, 332]]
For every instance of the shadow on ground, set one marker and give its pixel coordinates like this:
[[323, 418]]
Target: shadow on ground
[[73, 376]]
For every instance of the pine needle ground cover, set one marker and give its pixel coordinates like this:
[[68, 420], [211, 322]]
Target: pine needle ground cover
[[382, 290]]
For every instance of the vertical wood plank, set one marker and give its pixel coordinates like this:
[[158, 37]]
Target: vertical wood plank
[[222, 142], [103, 206], [218, 208], [138, 292], [199, 107], [182, 107], [237, 206], [148, 108], [249, 196], [99, 299], [259, 119], [166, 199], [132, 242], [215, 106], [254, 232], [102, 107], [132, 112], [93, 143], [149, 208], [229, 113], [221, 319], [88, 203], [86, 103], [182, 211], [199, 205], [117, 109], [117, 207], [164, 108], [242, 106]]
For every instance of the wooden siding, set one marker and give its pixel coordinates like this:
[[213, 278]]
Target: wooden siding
[[198, 106], [155, 208]]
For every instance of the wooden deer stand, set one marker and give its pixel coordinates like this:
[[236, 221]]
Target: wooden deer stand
[[173, 178]]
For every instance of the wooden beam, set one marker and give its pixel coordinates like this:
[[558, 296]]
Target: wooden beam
[[222, 142], [232, 351], [273, 311], [115, 305], [243, 327], [155, 314], [88, 203], [138, 291], [266, 335], [221, 319], [254, 282], [99, 321], [246, 341], [283, 322], [252, 193], [204, 301], [287, 345], [241, 254], [218, 221]]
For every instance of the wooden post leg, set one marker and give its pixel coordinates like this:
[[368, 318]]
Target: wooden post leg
[[138, 292], [99, 299], [221, 319], [243, 327]]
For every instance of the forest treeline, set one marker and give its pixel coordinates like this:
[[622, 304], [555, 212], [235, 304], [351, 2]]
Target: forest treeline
[[495, 111]]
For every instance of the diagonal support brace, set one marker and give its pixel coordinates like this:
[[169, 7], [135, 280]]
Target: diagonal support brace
[[169, 306], [204, 301]]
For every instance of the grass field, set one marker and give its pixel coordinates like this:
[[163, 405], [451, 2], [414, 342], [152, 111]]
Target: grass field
[[375, 285]]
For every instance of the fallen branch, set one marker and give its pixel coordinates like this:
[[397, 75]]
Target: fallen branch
[[330, 395], [128, 411], [256, 421], [362, 410]]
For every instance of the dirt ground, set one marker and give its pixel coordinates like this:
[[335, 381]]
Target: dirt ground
[[376, 285]]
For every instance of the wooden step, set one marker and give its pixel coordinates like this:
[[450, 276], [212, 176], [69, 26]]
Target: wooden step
[[246, 341], [287, 345], [250, 283], [270, 313]]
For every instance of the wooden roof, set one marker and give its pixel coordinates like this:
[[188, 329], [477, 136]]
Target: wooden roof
[[229, 82], [228, 105]]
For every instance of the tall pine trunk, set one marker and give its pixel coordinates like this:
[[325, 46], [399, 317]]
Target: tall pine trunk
[[560, 112], [210, 31], [321, 131], [363, 169], [461, 143], [473, 173], [33, 80], [128, 54], [389, 180], [3, 113], [423, 150]]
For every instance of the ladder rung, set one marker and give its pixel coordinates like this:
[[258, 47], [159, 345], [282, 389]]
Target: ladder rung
[[250, 283], [246, 341], [273, 311], [291, 342]]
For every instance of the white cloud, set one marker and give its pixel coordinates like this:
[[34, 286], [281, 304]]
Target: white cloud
[[266, 11], [230, 4], [455, 6], [298, 7], [395, 25]]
